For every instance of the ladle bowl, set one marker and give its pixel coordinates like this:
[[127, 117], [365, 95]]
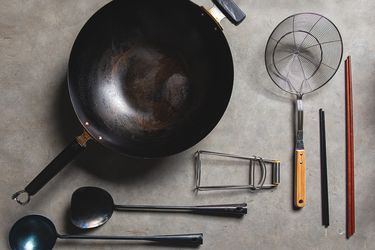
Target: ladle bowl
[[33, 232]]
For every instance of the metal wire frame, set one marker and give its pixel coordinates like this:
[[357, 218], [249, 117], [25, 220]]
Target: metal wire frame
[[253, 186], [277, 74]]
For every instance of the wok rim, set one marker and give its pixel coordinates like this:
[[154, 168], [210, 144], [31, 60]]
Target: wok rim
[[95, 137]]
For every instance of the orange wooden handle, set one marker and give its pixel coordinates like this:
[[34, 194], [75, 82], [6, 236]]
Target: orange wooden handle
[[300, 179]]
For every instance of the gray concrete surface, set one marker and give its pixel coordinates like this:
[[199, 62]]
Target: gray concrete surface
[[37, 121]]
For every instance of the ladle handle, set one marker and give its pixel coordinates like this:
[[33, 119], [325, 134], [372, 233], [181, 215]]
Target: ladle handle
[[178, 239], [229, 209]]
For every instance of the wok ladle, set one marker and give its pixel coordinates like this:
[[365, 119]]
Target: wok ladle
[[92, 207], [36, 232]]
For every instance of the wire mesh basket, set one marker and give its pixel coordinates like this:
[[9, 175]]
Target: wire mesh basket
[[303, 53]]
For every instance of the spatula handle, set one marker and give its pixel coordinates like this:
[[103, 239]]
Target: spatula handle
[[300, 179], [228, 209]]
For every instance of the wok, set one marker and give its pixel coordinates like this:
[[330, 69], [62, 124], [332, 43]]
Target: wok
[[147, 79]]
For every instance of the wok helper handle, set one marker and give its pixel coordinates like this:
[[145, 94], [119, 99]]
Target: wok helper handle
[[231, 11], [52, 169]]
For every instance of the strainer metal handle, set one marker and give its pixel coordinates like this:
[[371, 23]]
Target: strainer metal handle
[[300, 160]]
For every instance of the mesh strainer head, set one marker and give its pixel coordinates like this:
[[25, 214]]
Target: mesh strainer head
[[303, 53]]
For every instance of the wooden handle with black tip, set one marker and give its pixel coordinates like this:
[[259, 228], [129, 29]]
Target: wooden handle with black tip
[[300, 179]]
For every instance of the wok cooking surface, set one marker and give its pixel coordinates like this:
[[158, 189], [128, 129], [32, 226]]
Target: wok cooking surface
[[150, 78], [148, 86]]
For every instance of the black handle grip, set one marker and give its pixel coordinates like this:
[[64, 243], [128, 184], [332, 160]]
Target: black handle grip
[[66, 156], [230, 10], [182, 239], [231, 209]]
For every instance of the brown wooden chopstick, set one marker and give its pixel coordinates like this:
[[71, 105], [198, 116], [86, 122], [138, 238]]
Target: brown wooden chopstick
[[350, 201]]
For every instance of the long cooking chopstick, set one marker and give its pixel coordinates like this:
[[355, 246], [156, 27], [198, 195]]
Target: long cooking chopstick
[[350, 202], [323, 169]]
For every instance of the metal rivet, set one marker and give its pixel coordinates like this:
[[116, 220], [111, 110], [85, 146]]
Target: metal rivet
[[100, 138], [87, 123], [202, 14]]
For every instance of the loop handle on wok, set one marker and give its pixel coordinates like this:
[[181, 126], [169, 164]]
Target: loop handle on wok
[[66, 156]]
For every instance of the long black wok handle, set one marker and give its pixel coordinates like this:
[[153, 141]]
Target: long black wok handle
[[230, 10], [177, 239], [66, 156], [228, 209]]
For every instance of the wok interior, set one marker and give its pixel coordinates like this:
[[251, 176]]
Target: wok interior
[[150, 78]]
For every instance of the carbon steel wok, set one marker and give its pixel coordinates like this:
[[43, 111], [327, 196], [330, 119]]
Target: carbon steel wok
[[147, 79]]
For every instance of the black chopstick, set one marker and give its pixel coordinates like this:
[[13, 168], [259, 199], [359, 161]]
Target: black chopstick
[[323, 169]]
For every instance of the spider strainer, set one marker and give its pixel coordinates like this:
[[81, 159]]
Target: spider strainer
[[302, 54]]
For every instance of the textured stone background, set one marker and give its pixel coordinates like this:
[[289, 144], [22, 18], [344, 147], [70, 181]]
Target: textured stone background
[[37, 121]]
